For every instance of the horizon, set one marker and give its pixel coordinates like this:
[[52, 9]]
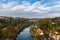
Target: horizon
[[30, 8], [30, 18]]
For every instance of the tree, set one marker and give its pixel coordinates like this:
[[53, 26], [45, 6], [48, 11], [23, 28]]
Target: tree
[[46, 26], [11, 32], [18, 27], [11, 20]]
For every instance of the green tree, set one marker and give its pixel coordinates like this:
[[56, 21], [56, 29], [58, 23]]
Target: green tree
[[45, 25], [18, 27], [11, 20]]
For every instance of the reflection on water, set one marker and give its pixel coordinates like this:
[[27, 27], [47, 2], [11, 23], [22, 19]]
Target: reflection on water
[[25, 35]]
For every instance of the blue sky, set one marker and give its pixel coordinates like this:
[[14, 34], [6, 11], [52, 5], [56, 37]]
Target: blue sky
[[30, 8]]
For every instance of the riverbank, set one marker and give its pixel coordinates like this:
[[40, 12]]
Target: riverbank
[[9, 29], [45, 30]]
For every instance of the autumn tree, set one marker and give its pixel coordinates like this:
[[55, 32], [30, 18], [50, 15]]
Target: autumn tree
[[11, 32]]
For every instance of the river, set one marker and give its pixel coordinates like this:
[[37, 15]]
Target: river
[[25, 35]]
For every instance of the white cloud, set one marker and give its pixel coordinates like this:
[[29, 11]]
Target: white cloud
[[36, 10]]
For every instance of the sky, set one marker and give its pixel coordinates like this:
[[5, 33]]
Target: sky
[[30, 8]]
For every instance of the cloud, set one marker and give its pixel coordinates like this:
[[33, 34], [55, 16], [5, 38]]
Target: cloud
[[36, 10]]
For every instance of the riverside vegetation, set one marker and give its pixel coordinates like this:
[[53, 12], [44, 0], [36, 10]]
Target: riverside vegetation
[[46, 28], [11, 27], [42, 29]]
